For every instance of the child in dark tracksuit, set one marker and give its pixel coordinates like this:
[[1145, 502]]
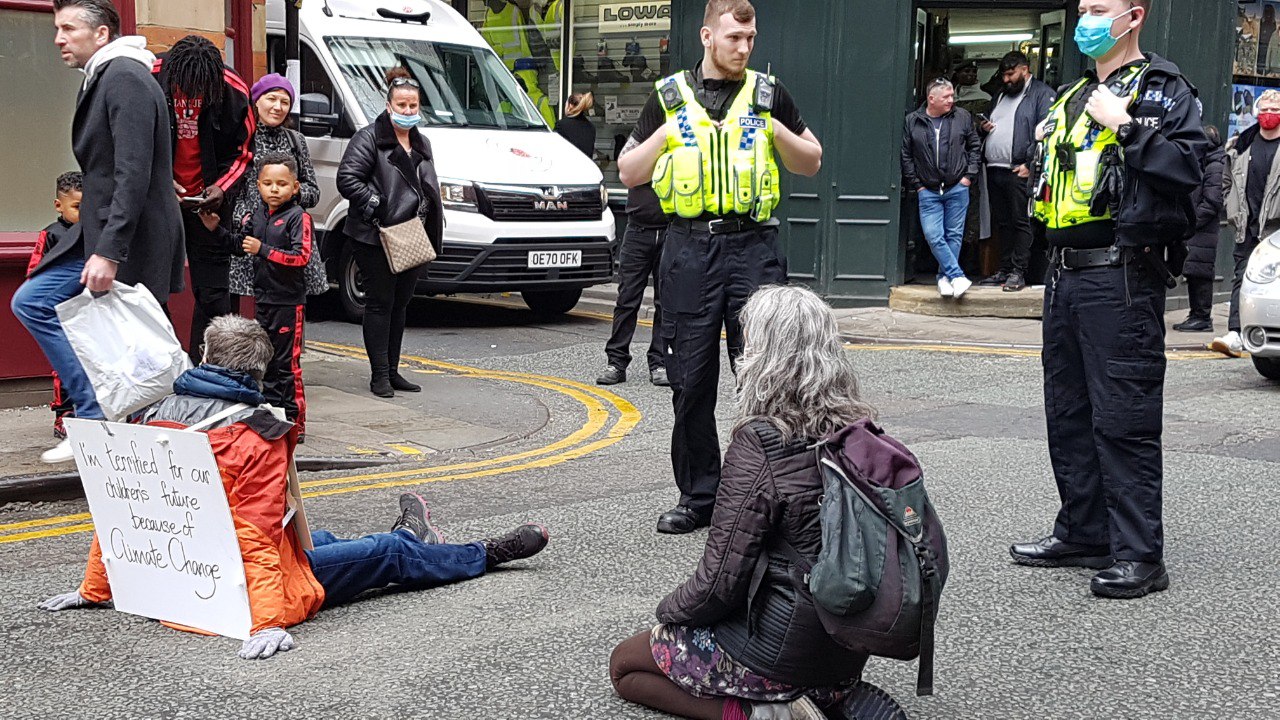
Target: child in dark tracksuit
[[280, 235], [60, 239]]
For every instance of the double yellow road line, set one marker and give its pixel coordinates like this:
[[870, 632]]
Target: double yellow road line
[[609, 418]]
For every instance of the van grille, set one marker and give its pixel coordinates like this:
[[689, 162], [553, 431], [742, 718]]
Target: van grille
[[541, 204]]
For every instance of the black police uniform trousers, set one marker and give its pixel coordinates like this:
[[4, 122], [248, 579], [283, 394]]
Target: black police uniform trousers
[[1009, 198], [209, 262], [706, 280], [641, 251], [1104, 366], [282, 384]]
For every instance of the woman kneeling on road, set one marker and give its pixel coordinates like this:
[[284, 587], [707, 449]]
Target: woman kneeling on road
[[723, 651], [388, 175]]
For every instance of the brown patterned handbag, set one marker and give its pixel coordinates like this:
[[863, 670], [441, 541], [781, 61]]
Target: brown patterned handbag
[[407, 245]]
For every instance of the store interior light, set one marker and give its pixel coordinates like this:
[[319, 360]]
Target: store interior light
[[990, 38]]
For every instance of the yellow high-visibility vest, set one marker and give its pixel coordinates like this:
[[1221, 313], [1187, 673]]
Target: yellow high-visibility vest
[[725, 168]]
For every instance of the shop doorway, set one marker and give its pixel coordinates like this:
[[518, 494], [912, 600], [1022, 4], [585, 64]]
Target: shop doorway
[[964, 42]]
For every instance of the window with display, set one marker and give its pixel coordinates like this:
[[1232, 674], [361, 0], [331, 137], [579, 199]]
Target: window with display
[[614, 50]]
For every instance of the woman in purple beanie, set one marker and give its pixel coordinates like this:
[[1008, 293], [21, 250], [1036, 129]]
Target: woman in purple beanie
[[272, 97]]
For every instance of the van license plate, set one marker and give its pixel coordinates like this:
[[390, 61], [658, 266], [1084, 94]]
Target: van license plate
[[555, 259]]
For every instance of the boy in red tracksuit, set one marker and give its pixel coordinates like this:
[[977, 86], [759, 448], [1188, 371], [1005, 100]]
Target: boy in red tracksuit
[[280, 234], [59, 239]]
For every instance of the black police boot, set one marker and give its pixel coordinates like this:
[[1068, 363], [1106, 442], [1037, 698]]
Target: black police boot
[[1051, 552], [681, 520], [1194, 324], [1129, 580], [612, 375]]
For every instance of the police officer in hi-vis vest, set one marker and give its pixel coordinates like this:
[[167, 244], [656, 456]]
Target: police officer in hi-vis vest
[[1119, 160], [706, 140]]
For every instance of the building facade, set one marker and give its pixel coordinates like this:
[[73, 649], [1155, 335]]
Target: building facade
[[855, 69]]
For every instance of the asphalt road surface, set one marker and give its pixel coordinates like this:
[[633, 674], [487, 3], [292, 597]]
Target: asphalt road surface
[[533, 641]]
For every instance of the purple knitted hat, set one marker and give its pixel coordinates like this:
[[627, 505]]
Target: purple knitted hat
[[274, 81]]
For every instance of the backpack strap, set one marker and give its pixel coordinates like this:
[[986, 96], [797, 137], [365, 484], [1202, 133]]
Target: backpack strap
[[215, 419], [928, 615]]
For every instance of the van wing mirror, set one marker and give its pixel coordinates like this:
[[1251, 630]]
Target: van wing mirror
[[317, 117]]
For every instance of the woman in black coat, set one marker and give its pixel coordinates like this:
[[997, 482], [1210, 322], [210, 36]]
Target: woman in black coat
[[575, 127], [388, 175], [1202, 248]]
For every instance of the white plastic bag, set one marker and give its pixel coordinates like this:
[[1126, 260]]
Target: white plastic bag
[[127, 346]]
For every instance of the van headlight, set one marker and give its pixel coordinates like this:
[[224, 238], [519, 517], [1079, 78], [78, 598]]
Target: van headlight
[[458, 195], [1264, 264]]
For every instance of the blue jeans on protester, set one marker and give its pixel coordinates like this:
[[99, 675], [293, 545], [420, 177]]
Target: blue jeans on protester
[[33, 304], [942, 217], [346, 568]]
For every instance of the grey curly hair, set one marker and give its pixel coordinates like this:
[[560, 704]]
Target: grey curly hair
[[794, 372]]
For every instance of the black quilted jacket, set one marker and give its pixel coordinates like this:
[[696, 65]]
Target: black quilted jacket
[[767, 493]]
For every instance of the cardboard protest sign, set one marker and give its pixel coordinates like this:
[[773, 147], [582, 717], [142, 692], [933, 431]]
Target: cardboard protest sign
[[161, 514]]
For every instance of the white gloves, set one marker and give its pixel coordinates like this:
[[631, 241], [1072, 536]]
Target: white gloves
[[265, 643], [70, 601]]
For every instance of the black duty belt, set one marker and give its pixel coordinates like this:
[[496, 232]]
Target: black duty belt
[[720, 226], [1081, 259]]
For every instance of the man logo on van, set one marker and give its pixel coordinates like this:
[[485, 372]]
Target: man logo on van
[[551, 200]]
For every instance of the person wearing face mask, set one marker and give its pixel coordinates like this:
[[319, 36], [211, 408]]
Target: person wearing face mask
[[389, 176], [1251, 185], [1123, 149], [1008, 151]]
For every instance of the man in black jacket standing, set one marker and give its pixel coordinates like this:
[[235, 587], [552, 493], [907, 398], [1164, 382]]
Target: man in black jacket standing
[[1009, 150], [1125, 149], [212, 141], [940, 157], [129, 220]]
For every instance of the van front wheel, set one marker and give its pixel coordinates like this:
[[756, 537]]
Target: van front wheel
[[350, 285], [1268, 367], [551, 302]]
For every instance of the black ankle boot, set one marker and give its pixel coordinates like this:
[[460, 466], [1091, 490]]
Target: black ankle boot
[[399, 383], [380, 385]]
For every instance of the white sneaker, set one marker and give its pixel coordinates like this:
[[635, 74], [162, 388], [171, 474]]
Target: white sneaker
[[1230, 344], [961, 285], [59, 453], [944, 288]]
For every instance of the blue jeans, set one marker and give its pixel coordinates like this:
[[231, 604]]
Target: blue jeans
[[942, 218], [33, 304], [346, 568]]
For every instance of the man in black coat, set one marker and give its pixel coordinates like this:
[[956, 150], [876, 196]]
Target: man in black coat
[[1009, 132], [132, 232]]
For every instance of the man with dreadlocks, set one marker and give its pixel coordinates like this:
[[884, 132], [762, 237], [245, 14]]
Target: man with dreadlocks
[[212, 135]]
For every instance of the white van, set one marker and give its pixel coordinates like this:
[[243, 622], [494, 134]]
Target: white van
[[524, 210]]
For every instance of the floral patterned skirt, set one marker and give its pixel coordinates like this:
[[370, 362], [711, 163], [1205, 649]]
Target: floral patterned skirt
[[692, 659]]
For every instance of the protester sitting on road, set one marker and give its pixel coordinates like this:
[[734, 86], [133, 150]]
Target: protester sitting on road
[[723, 651], [1251, 187], [61, 237], [211, 137], [941, 153], [575, 127], [1202, 248], [273, 96], [130, 221], [279, 236], [287, 584], [389, 176]]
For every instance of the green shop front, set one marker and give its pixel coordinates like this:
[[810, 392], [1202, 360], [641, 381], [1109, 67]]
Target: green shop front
[[855, 67]]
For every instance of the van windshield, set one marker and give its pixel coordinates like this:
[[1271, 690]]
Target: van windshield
[[461, 86]]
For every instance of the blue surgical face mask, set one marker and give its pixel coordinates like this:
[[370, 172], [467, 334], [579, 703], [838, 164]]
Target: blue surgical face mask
[[408, 122], [1093, 34]]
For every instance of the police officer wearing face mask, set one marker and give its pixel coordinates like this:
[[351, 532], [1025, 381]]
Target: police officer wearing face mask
[[707, 140], [1121, 156]]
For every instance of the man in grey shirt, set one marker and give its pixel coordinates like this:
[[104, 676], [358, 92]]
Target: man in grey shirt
[[1008, 154]]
